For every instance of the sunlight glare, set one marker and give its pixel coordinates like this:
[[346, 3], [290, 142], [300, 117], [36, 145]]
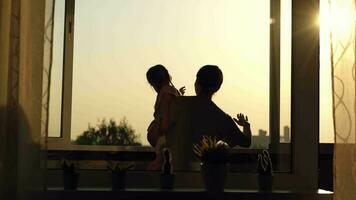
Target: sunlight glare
[[336, 19]]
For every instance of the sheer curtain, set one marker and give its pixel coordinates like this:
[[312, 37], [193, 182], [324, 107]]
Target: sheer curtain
[[25, 54], [343, 57]]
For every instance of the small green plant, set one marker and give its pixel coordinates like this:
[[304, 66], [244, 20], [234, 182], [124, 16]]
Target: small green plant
[[120, 167], [167, 166], [264, 166], [210, 150]]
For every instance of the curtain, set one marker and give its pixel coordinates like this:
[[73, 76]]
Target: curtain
[[343, 57], [25, 54]]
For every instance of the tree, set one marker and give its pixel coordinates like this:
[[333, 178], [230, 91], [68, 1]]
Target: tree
[[109, 133]]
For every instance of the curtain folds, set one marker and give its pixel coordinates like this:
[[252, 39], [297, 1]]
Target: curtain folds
[[46, 81], [343, 59], [25, 60]]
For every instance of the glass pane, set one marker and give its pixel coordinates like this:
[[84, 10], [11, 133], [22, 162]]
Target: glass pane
[[326, 134], [286, 59], [282, 158], [116, 41], [55, 103]]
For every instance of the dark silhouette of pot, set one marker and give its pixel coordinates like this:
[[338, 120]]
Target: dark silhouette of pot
[[265, 182], [167, 176], [70, 181], [70, 177], [214, 156], [118, 180], [214, 176], [265, 174], [118, 176], [167, 181]]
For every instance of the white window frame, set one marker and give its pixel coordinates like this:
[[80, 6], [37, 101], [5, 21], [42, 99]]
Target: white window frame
[[304, 99]]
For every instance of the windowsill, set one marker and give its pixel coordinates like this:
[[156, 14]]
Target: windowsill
[[241, 160], [155, 193], [123, 155]]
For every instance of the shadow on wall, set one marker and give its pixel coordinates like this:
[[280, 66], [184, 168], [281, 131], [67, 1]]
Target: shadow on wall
[[20, 168]]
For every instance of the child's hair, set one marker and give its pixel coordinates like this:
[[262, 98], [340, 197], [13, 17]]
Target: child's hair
[[157, 76], [210, 78]]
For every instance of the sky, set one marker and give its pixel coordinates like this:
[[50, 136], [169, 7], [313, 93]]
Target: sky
[[116, 41]]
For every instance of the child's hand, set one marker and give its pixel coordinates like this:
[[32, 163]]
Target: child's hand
[[182, 90]]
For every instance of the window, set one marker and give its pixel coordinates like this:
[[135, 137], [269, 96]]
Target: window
[[326, 118], [109, 47], [57, 71], [95, 79], [114, 44]]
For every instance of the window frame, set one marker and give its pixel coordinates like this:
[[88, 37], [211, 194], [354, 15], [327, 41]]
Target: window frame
[[64, 141], [304, 98]]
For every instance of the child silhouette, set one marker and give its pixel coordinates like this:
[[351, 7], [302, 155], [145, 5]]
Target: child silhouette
[[159, 78]]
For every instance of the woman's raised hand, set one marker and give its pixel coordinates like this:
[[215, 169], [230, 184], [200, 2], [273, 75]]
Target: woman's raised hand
[[242, 120]]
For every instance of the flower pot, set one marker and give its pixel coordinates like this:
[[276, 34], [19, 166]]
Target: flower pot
[[265, 182], [70, 181], [118, 180], [214, 176], [167, 181]]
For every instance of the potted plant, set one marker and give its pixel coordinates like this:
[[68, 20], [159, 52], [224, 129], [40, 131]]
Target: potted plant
[[70, 177], [213, 155], [167, 176], [118, 175], [265, 173]]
